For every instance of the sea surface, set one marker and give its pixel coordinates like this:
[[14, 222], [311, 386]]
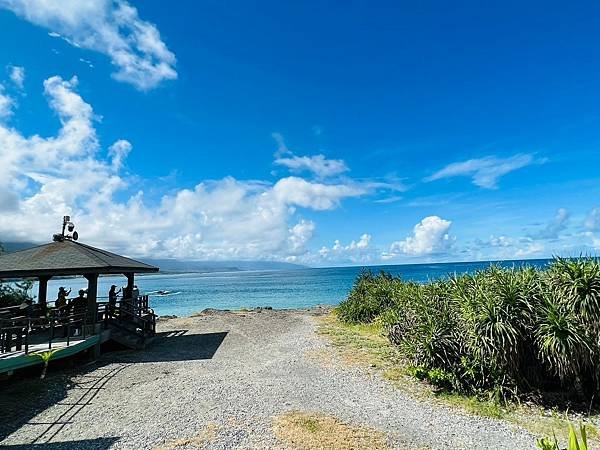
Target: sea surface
[[301, 288]]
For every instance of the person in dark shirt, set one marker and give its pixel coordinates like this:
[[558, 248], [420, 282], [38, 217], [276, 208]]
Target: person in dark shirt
[[112, 300], [78, 306], [79, 303], [61, 300]]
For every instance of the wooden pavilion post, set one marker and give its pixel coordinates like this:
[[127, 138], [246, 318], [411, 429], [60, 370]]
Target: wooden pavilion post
[[130, 282], [92, 295], [43, 290]]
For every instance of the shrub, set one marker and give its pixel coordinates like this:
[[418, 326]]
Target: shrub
[[370, 296], [497, 332]]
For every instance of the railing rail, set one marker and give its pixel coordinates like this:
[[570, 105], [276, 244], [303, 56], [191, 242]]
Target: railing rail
[[127, 312], [17, 331]]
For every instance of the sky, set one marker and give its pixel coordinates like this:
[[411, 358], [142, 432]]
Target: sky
[[320, 133]]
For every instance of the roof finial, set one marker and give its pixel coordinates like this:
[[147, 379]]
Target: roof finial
[[69, 226]]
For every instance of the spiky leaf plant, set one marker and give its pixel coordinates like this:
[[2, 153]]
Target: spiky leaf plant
[[561, 337], [579, 279]]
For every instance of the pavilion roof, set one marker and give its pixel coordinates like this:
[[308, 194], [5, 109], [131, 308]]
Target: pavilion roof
[[67, 258]]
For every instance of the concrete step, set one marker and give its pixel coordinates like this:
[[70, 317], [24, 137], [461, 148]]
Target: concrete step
[[127, 339]]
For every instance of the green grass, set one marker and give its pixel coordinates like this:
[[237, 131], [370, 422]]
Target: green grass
[[363, 344]]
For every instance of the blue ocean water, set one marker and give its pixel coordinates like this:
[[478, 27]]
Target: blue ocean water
[[301, 288]]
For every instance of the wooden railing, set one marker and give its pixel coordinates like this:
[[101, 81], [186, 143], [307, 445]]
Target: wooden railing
[[18, 331], [126, 313]]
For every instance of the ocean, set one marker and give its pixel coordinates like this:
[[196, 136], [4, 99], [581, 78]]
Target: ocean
[[300, 288]]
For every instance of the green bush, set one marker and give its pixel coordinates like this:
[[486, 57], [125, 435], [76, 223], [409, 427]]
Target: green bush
[[498, 332], [370, 295], [12, 294]]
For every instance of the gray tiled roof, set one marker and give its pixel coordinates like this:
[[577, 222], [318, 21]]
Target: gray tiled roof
[[67, 258]]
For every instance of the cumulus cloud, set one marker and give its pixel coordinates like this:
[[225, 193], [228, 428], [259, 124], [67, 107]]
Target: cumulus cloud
[[42, 178], [111, 27], [430, 236], [534, 248], [500, 241], [17, 75], [485, 172], [322, 169], [299, 235], [357, 251], [318, 196], [555, 226]]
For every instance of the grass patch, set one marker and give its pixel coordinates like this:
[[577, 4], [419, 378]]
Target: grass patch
[[366, 345], [207, 436], [361, 344], [311, 431]]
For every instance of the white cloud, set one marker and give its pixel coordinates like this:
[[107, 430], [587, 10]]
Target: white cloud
[[430, 236], [6, 104], [299, 235], [317, 164], [87, 63], [42, 178], [118, 153], [323, 169], [17, 75], [282, 148], [529, 250], [592, 221], [500, 241], [296, 191], [485, 172], [358, 252], [555, 226], [111, 27], [392, 199]]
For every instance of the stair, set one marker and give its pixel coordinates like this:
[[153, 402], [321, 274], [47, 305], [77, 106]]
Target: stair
[[128, 339], [130, 329]]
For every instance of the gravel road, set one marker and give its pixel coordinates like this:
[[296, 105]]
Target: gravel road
[[217, 380]]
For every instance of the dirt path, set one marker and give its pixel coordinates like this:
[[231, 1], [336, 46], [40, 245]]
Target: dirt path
[[233, 380]]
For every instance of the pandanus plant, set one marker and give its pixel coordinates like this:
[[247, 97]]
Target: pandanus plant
[[575, 442], [45, 357]]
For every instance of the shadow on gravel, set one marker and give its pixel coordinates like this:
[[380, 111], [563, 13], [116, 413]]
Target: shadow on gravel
[[177, 346], [23, 399], [85, 444]]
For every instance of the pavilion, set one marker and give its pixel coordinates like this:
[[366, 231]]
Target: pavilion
[[130, 323], [69, 258]]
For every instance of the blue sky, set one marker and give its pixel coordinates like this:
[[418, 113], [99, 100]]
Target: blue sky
[[319, 132]]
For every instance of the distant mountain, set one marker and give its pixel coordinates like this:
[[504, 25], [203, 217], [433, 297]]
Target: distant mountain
[[16, 246], [175, 265]]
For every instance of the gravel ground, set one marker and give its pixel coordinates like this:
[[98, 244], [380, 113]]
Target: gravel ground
[[217, 380]]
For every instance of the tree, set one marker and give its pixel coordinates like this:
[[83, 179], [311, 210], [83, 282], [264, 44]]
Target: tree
[[12, 293]]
